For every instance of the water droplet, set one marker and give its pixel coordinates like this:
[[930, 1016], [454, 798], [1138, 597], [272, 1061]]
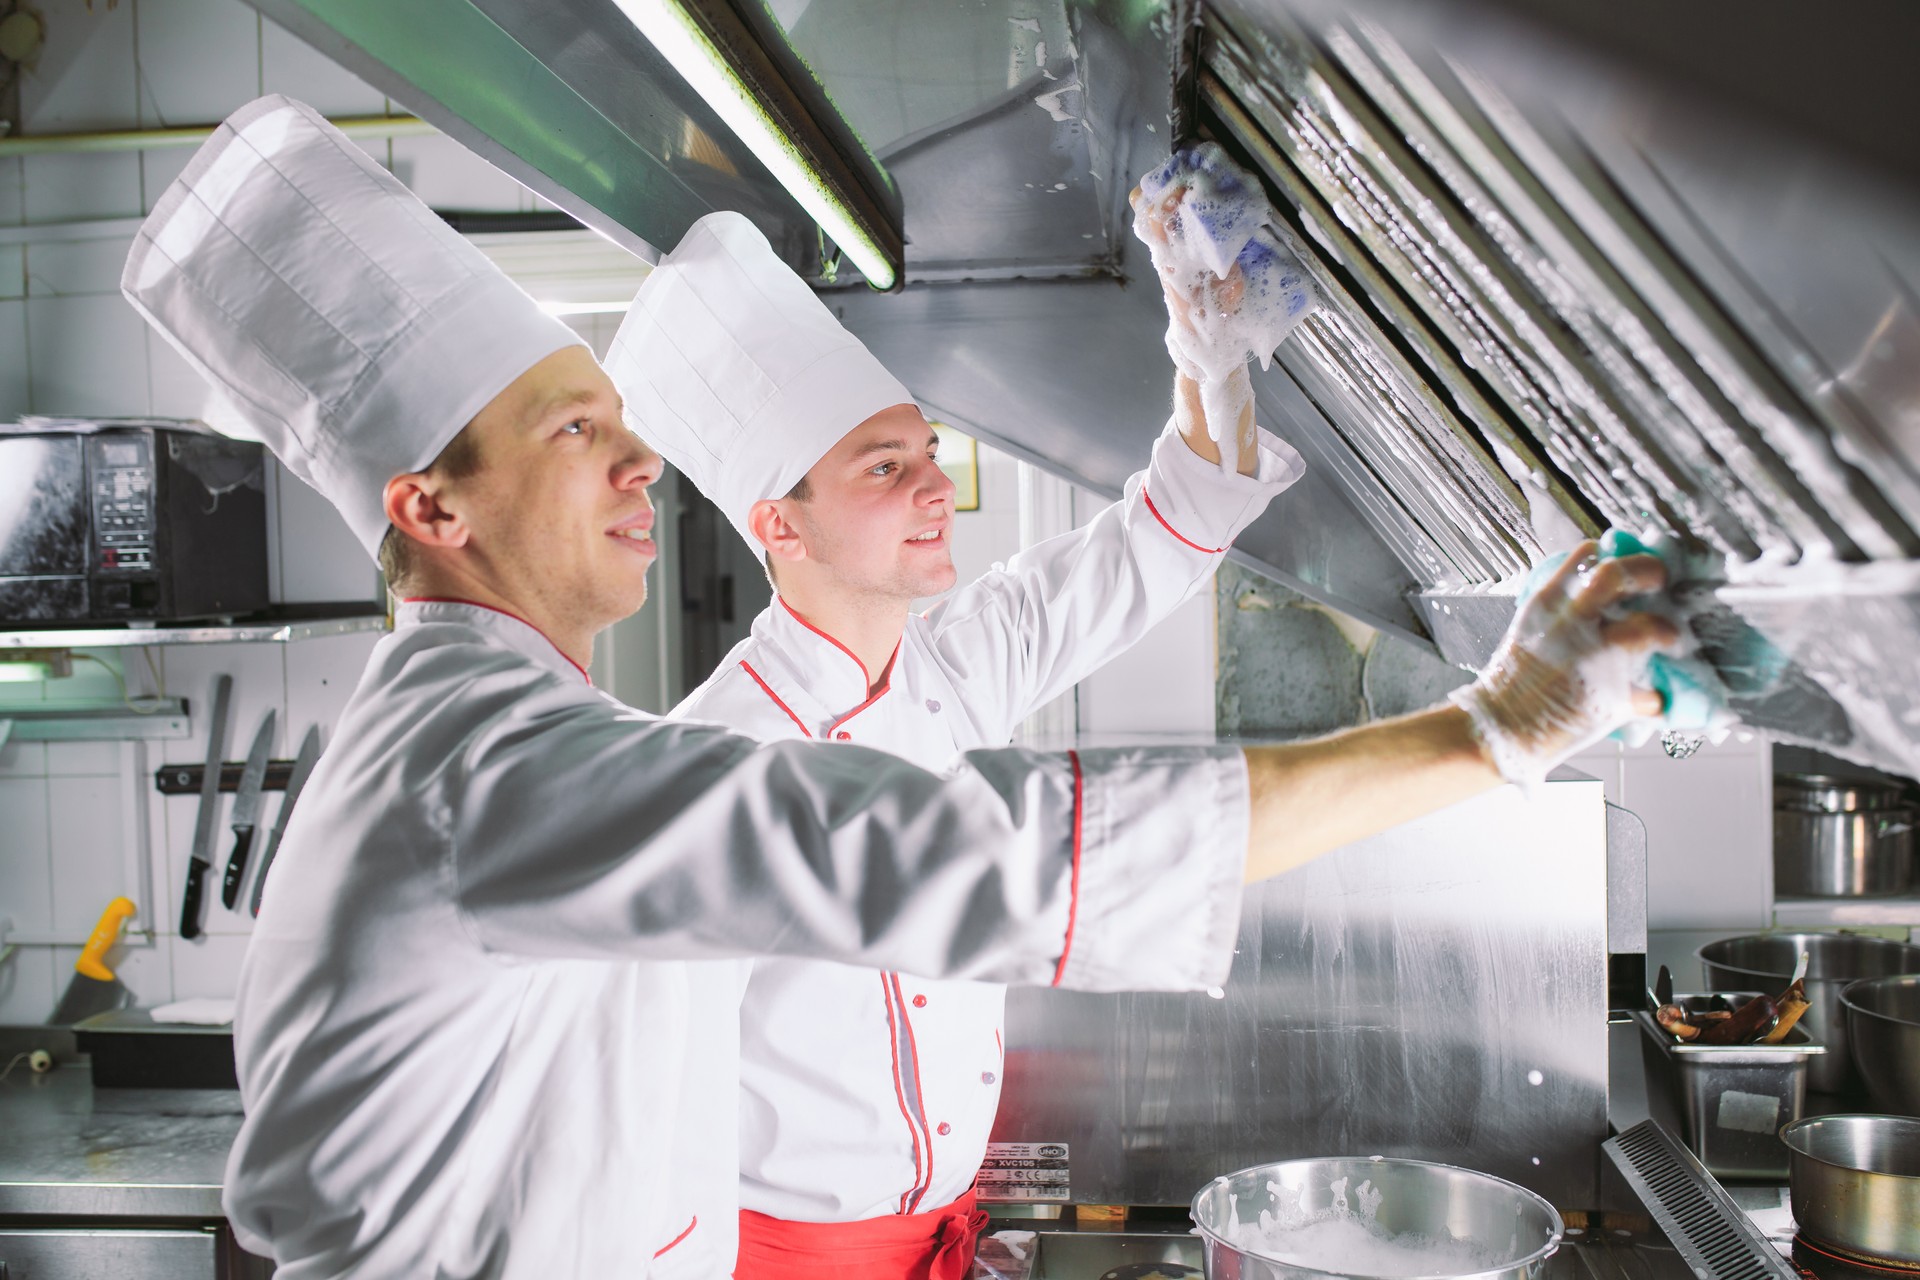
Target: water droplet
[[1681, 745], [1536, 1159], [1535, 1077], [1216, 993]]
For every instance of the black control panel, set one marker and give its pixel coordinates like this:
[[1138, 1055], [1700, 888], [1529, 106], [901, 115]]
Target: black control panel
[[120, 469]]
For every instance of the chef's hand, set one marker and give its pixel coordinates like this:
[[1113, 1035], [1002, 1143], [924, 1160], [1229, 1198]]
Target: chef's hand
[[1565, 675], [1154, 221], [1562, 679], [1191, 294]]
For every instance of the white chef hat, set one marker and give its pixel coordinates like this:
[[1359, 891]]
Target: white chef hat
[[353, 330], [736, 372]]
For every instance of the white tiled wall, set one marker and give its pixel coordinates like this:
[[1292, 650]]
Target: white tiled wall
[[81, 822]]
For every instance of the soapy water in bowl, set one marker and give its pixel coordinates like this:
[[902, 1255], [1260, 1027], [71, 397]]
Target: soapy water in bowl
[[1347, 1239]]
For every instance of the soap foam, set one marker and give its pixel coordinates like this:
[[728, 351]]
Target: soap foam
[[1234, 292], [1346, 1239]]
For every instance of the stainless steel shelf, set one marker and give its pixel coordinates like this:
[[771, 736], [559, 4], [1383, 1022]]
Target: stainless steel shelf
[[279, 627], [1848, 911], [93, 721]]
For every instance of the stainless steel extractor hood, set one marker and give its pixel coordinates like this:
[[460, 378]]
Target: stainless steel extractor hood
[[1569, 281]]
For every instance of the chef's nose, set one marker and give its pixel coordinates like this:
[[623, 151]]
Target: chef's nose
[[935, 485], [640, 468]]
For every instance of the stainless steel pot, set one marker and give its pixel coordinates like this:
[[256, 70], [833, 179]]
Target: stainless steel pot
[[1883, 1026], [1833, 838], [1764, 962], [1508, 1224], [1855, 1182]]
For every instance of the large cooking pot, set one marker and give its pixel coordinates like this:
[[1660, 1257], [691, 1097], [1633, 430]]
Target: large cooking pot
[[1469, 1224], [1834, 838], [1883, 1026], [1764, 962], [1855, 1182]]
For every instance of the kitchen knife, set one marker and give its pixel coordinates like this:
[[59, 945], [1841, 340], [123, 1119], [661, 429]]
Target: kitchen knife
[[202, 857], [246, 809], [94, 988], [302, 766], [1663, 986]]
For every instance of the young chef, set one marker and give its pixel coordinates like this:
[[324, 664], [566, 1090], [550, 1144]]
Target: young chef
[[867, 1097], [486, 1024]]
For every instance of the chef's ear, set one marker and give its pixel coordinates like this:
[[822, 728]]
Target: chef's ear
[[767, 521], [414, 507]]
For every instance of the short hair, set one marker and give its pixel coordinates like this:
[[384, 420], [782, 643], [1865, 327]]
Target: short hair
[[460, 459], [801, 492]]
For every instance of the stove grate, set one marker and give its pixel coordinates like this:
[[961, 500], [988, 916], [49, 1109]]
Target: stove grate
[[1706, 1227]]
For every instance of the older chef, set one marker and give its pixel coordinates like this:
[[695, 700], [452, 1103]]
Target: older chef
[[867, 1097], [486, 1024]]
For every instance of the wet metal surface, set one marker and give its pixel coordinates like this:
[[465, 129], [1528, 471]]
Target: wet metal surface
[[67, 1150], [1437, 992]]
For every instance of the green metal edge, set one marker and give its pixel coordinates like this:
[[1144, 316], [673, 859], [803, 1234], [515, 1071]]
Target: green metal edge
[[472, 68]]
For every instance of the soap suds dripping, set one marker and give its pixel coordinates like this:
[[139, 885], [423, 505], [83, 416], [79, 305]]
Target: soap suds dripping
[[1234, 292]]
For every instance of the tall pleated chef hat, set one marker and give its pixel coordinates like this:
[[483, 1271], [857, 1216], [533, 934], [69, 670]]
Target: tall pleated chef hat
[[736, 372], [352, 330]]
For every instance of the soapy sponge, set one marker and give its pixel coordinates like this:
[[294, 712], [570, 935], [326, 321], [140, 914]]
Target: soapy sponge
[[1216, 218], [1719, 656]]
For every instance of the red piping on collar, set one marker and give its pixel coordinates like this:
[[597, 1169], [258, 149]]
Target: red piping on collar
[[475, 604], [1148, 499], [768, 690], [866, 680], [879, 693], [677, 1239]]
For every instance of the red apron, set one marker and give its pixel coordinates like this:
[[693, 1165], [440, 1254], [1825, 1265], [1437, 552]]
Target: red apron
[[936, 1245]]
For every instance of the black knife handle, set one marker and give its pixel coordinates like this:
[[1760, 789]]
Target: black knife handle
[[236, 867], [190, 899]]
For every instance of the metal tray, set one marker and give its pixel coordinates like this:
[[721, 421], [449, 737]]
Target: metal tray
[[1728, 1102]]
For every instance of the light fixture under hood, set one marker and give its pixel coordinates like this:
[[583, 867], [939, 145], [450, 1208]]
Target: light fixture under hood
[[724, 62]]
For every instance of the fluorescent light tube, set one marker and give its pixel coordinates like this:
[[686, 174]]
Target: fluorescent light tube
[[672, 31]]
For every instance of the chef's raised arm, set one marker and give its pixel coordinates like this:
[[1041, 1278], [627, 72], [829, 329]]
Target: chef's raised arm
[[1032, 628], [1058, 611], [583, 829]]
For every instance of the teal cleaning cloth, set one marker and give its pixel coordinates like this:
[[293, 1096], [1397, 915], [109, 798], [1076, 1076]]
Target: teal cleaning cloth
[[1690, 687]]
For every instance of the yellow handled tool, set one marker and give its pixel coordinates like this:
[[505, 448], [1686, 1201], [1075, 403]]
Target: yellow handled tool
[[94, 988]]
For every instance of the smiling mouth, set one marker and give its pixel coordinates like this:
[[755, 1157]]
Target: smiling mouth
[[635, 535], [932, 535]]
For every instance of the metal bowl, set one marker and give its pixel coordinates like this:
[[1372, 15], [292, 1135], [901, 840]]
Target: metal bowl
[[1764, 962], [1883, 1026], [1855, 1183], [1513, 1230]]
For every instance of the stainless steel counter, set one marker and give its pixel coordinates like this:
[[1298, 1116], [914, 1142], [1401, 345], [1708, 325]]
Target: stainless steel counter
[[1622, 1249], [69, 1151]]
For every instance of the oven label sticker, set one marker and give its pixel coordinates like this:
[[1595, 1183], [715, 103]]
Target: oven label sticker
[[1749, 1112], [1025, 1172]]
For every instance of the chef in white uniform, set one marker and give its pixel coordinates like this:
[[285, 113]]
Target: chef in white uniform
[[868, 1097], [486, 1024]]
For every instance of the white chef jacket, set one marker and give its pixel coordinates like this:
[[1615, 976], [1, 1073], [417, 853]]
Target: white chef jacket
[[869, 1093], [487, 1022]]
